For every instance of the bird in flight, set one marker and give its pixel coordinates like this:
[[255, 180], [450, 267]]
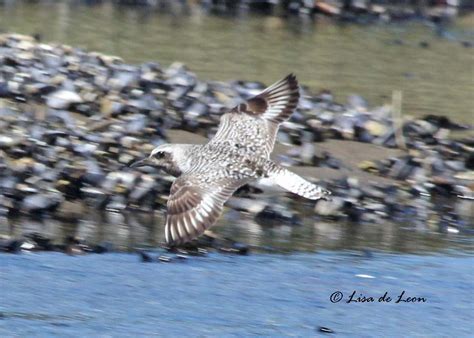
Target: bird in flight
[[208, 175]]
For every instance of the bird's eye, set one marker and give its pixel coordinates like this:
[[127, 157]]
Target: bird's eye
[[159, 155]]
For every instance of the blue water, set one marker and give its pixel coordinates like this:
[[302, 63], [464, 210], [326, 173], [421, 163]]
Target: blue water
[[47, 294]]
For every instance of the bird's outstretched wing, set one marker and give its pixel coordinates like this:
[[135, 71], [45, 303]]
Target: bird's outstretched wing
[[195, 203], [253, 125]]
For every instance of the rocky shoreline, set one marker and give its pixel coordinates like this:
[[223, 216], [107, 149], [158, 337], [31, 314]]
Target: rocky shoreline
[[343, 10], [71, 121]]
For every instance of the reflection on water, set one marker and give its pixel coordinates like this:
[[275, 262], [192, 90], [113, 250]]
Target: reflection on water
[[131, 229], [435, 74]]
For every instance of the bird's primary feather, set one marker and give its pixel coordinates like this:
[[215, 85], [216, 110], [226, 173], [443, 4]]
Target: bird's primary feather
[[239, 153], [252, 126]]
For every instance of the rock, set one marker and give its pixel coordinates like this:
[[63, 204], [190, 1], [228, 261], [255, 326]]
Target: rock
[[246, 205], [37, 242], [325, 329], [10, 245], [375, 128], [403, 168], [443, 186], [328, 161], [442, 122], [369, 166], [275, 215], [329, 208], [8, 142], [144, 256], [63, 99], [307, 153], [455, 165], [237, 248], [117, 203], [469, 161], [468, 176], [164, 259], [362, 135], [41, 202], [142, 189]]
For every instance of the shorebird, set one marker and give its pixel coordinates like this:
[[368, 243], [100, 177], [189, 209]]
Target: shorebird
[[208, 175]]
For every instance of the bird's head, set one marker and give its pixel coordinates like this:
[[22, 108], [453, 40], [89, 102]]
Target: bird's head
[[165, 156]]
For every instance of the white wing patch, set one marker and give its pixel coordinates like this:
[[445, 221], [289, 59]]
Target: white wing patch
[[297, 185]]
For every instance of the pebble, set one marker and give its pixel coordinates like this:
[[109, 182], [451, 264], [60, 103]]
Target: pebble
[[63, 99], [324, 329], [277, 214], [145, 257]]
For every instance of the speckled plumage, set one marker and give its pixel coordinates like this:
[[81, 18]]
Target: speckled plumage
[[239, 153]]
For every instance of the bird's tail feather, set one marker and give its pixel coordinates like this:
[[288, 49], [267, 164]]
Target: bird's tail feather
[[296, 184]]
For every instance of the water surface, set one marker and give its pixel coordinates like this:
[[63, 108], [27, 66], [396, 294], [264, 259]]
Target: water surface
[[271, 295]]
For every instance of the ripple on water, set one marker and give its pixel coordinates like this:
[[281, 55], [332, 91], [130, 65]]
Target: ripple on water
[[219, 295]]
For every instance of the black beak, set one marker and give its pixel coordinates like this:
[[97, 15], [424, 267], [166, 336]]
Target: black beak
[[139, 163]]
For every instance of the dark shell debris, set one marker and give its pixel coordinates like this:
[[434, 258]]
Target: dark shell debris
[[71, 121], [437, 13]]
